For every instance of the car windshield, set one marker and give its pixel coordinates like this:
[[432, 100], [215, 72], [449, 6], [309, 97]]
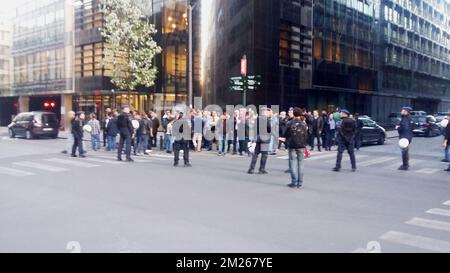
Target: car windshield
[[419, 119]]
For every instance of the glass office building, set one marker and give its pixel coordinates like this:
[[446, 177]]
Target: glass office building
[[416, 53], [42, 53], [7, 100], [275, 36], [371, 57], [93, 81]]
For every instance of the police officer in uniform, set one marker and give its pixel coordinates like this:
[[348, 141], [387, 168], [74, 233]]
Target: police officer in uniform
[[346, 140], [182, 135], [405, 130], [126, 132]]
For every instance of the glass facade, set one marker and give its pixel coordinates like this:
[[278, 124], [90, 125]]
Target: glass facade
[[171, 20], [94, 89], [5, 60], [371, 57], [39, 49], [416, 48]]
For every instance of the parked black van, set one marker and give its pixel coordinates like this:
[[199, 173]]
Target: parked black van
[[34, 124]]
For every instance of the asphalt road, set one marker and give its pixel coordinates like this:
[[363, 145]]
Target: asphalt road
[[48, 200]]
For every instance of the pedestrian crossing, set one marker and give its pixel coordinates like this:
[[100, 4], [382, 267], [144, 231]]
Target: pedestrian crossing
[[417, 241], [14, 172], [29, 167], [39, 166], [441, 212], [388, 162]]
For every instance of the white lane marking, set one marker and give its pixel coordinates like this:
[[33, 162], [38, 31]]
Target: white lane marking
[[161, 156], [313, 156], [14, 172], [137, 160], [377, 161], [428, 171], [417, 241], [447, 203], [441, 212], [431, 224], [412, 163], [71, 163], [39, 166], [345, 158], [98, 160]]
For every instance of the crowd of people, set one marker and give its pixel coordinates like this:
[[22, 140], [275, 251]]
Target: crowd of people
[[243, 132]]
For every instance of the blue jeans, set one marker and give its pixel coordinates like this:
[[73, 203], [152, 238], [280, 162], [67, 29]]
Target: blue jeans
[[447, 153], [95, 141], [296, 164], [168, 144], [111, 143], [223, 144], [143, 143]]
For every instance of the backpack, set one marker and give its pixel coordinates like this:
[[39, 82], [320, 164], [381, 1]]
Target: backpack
[[298, 135]]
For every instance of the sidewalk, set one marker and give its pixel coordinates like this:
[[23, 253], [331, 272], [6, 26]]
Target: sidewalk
[[392, 134], [65, 134]]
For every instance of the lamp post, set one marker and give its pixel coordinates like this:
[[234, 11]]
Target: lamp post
[[190, 69]]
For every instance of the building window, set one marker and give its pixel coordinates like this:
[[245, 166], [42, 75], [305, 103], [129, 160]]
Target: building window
[[88, 61]]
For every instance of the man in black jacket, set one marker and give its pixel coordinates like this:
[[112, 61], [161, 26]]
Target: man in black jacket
[[181, 131], [264, 130], [316, 129], [346, 140], [126, 132], [112, 131], [405, 130], [77, 131], [447, 138]]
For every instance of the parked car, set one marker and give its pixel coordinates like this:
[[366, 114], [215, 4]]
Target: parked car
[[34, 124], [426, 126], [394, 119], [440, 116], [372, 132], [418, 113]]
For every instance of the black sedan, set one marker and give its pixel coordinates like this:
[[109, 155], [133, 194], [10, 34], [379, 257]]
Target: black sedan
[[371, 132], [426, 126]]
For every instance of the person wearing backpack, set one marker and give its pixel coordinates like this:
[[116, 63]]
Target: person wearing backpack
[[296, 137], [346, 140]]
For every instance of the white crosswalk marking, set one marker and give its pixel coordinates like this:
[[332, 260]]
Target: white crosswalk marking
[[136, 160], [314, 156], [417, 241], [441, 212], [72, 163], [431, 224], [428, 171], [376, 161], [412, 163], [163, 156], [358, 157], [447, 203], [98, 160], [40, 166], [14, 172]]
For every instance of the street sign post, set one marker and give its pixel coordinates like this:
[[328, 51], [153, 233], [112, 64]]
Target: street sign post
[[245, 82]]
